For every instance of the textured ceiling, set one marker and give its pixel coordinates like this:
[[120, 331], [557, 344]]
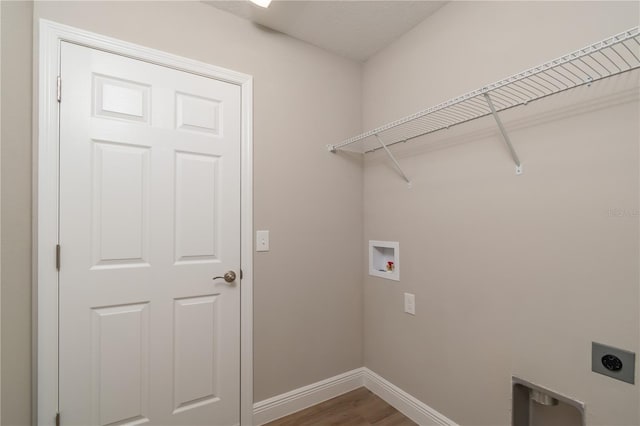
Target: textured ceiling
[[354, 29]]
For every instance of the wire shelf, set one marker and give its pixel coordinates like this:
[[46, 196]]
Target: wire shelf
[[612, 56]]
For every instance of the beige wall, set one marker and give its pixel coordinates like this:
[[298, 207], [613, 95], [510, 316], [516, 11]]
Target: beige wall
[[512, 274], [16, 211], [308, 316], [0, 213]]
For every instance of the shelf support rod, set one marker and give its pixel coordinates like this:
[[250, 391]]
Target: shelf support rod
[[393, 159], [505, 136]]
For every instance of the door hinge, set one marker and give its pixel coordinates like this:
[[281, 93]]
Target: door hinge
[[59, 92], [58, 257], [57, 419]]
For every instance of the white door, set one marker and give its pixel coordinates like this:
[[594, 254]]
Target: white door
[[149, 214]]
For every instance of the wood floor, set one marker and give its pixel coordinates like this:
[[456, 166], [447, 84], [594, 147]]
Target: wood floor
[[360, 407]]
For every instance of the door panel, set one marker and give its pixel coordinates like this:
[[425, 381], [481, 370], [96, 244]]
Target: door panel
[[196, 207], [149, 214], [195, 358], [116, 98], [198, 114], [120, 204], [120, 377]]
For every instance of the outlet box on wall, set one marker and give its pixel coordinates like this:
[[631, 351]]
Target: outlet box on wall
[[384, 259], [616, 363]]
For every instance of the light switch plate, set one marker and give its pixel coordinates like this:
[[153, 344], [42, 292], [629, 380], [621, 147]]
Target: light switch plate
[[410, 303], [262, 240], [626, 359]]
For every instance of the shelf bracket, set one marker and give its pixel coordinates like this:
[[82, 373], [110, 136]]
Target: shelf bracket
[[393, 159], [505, 136]]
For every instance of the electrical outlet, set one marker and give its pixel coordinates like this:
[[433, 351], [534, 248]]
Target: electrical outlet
[[410, 303], [616, 363]]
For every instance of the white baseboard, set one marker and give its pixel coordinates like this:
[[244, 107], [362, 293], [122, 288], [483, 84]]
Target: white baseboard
[[408, 405], [306, 396], [315, 393]]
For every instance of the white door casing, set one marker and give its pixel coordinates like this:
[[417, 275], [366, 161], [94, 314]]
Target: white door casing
[[127, 226]]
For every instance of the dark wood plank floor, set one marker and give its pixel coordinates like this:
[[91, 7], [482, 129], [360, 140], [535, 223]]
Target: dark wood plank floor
[[360, 407]]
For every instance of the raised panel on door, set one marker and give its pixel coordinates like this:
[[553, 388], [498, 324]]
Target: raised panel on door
[[120, 204], [196, 207], [196, 346], [199, 114], [120, 361], [121, 99]]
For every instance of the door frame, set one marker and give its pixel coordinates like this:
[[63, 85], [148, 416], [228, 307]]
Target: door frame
[[45, 197]]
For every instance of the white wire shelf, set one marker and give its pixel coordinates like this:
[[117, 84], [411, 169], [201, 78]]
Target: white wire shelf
[[614, 55]]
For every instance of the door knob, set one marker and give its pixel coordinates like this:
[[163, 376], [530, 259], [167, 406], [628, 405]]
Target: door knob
[[228, 277]]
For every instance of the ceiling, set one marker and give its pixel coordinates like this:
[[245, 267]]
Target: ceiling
[[355, 29]]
